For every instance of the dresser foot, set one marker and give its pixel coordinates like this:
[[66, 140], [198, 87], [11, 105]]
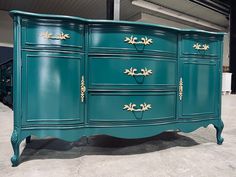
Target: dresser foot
[[15, 145], [219, 129], [28, 139], [14, 160]]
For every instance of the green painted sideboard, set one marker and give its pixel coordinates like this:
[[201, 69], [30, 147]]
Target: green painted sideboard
[[77, 77]]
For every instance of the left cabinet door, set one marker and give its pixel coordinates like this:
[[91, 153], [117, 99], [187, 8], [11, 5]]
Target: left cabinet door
[[51, 88]]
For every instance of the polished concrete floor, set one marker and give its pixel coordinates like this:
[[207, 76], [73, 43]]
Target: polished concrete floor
[[167, 155]]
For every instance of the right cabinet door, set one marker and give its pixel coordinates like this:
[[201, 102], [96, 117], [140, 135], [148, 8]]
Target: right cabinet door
[[199, 88]]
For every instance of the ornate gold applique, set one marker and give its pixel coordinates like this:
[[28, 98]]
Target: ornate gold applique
[[133, 40], [131, 107], [60, 36]]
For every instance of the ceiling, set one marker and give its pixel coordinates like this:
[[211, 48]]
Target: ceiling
[[190, 8], [97, 9]]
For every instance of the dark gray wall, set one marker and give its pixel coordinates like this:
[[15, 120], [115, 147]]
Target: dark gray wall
[[6, 54]]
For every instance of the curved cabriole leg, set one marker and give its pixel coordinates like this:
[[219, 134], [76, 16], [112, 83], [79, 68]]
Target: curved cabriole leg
[[219, 129], [28, 139], [15, 145]]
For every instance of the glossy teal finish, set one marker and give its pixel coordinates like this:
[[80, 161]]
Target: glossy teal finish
[[103, 70], [32, 34], [108, 107], [45, 101], [200, 80], [114, 22], [47, 79], [189, 39], [112, 39], [127, 132]]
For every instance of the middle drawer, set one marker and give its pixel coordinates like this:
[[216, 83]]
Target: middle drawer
[[128, 72]]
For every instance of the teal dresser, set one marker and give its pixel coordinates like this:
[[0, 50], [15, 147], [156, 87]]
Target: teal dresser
[[76, 77]]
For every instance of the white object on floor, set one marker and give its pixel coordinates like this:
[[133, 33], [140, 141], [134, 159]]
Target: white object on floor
[[226, 83]]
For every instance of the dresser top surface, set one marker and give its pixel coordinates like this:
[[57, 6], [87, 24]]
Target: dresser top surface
[[84, 20]]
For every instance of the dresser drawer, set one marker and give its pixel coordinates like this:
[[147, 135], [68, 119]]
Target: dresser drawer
[[126, 72], [194, 44], [52, 34], [122, 39], [131, 107]]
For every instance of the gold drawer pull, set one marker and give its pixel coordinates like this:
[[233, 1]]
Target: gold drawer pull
[[198, 46], [144, 72], [61, 36], [133, 40], [82, 89], [181, 88], [131, 107]]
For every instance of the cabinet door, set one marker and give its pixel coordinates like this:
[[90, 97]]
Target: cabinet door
[[199, 84], [51, 88]]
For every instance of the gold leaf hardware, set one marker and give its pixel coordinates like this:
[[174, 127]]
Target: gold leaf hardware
[[144, 72], [82, 89], [133, 40], [181, 85], [61, 36], [198, 46], [131, 107]]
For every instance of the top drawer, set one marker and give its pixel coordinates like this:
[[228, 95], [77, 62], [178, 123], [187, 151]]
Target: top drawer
[[135, 39], [52, 34], [200, 45]]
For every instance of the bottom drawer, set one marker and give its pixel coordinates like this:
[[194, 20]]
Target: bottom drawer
[[131, 106]]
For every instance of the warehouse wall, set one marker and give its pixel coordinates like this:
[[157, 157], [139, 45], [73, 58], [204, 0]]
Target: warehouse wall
[[6, 29], [143, 17]]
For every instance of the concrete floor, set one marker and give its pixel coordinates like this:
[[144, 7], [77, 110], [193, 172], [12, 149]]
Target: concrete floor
[[194, 154]]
